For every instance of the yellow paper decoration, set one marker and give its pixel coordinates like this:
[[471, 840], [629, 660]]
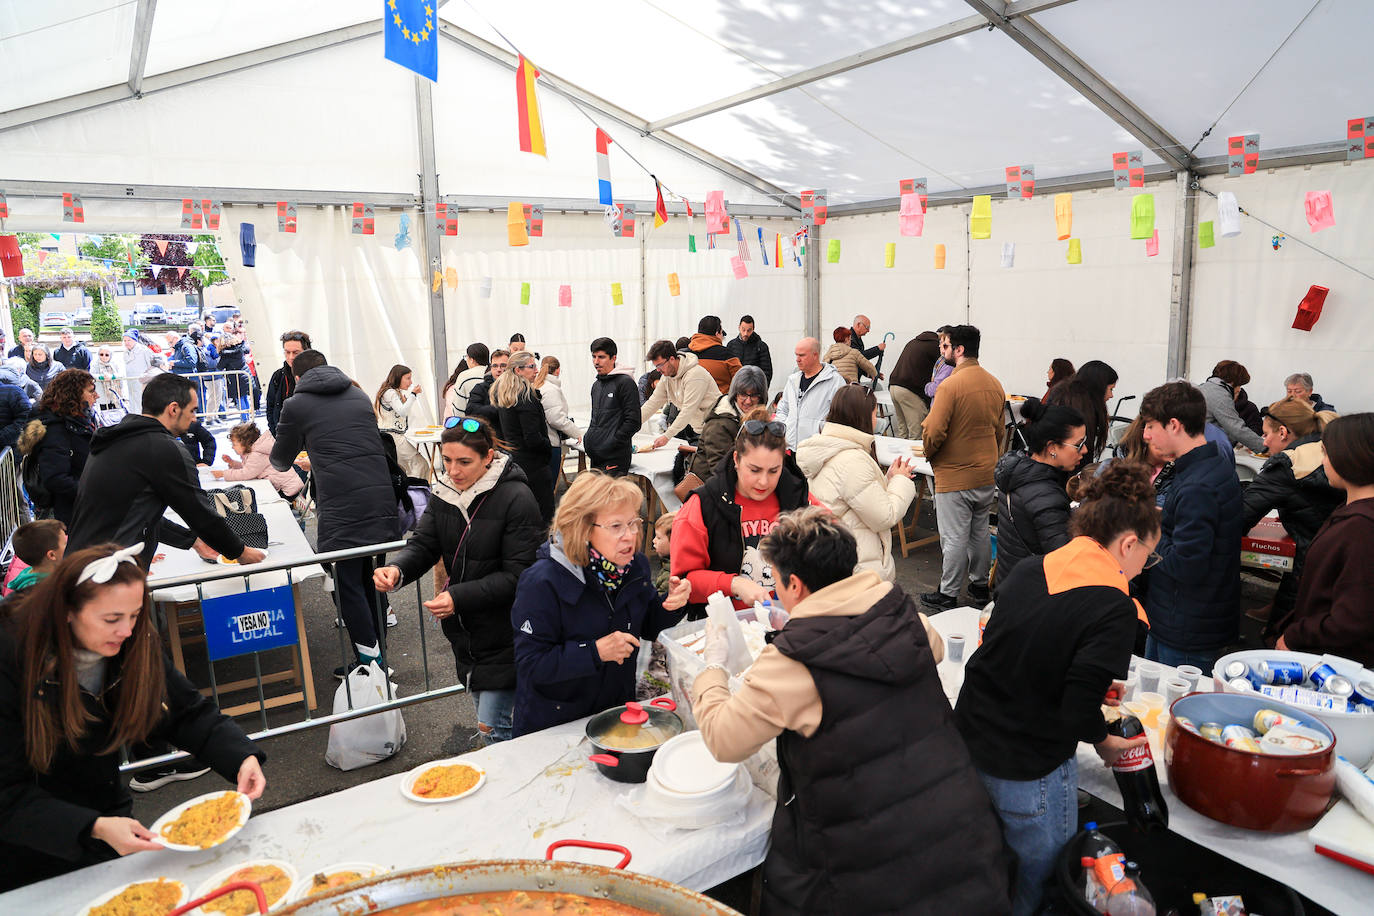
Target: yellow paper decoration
[[451, 278], [833, 252], [1063, 215], [939, 257], [524, 294], [890, 254], [1075, 251], [1142, 216], [515, 225], [674, 287], [980, 223], [617, 297], [438, 281]]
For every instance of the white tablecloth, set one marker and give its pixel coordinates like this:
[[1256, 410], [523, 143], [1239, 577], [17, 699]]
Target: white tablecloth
[[539, 789], [1286, 857], [889, 448], [654, 466]]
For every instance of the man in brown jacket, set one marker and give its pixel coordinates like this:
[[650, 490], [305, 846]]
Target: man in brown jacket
[[962, 437], [711, 354]]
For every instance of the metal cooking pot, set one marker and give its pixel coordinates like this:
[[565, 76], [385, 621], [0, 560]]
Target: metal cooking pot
[[378, 894], [627, 737]]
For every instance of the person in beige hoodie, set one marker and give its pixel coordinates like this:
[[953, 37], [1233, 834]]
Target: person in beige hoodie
[[880, 809], [684, 384], [840, 465]]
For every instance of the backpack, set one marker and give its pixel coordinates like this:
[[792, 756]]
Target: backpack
[[28, 472]]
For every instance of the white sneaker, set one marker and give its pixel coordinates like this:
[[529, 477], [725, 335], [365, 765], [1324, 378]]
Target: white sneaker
[[390, 618]]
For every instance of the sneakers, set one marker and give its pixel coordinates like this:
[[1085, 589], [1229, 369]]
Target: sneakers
[[939, 601], [148, 780], [979, 594], [390, 618]]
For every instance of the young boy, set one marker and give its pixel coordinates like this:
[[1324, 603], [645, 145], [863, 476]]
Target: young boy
[[655, 680], [41, 545], [663, 534]]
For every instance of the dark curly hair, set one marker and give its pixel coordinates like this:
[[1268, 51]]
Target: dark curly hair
[[66, 393], [1119, 500]]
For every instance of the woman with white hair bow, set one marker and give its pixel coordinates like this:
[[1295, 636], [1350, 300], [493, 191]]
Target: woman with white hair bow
[[83, 674]]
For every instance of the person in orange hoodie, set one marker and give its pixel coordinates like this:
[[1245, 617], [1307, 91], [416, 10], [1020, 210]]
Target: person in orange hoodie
[[708, 346]]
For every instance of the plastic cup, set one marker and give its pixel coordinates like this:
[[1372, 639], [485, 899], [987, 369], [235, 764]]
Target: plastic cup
[[1154, 704], [1138, 708], [954, 648], [1149, 676], [1132, 687], [1135, 663], [1191, 674], [1176, 687]]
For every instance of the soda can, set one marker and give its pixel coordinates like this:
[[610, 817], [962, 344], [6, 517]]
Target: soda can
[[1187, 724], [1240, 738], [1238, 668], [1364, 695], [1266, 719], [1325, 679], [1211, 731], [1280, 671], [1242, 685]]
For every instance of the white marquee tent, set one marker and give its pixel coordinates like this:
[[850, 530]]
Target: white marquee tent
[[137, 104]]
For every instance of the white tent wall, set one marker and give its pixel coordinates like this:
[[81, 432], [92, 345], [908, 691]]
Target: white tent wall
[[1114, 306], [1245, 293]]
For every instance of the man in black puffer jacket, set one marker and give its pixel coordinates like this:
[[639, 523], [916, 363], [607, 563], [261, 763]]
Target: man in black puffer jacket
[[615, 413], [1032, 510], [14, 413]]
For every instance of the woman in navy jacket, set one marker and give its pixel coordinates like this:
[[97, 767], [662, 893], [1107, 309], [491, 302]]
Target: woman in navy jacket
[[584, 606]]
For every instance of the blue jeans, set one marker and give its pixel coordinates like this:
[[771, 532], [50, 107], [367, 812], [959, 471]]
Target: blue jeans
[[1156, 651], [1038, 816], [494, 711]]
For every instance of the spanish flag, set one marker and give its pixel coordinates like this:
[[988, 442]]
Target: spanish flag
[[660, 210], [527, 109]]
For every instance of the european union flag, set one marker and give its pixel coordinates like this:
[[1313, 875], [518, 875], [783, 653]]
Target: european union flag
[[411, 38]]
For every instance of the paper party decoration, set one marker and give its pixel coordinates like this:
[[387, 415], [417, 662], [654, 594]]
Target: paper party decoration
[[11, 258], [1121, 171], [486, 287], [211, 210], [524, 294], [1319, 213], [1063, 215], [660, 209], [1135, 162], [1013, 181], [739, 242], [72, 209], [444, 223], [674, 286], [1242, 154], [1027, 182], [565, 296], [364, 219], [777, 249], [911, 216], [627, 221], [409, 37], [192, 216], [515, 226], [286, 216], [1152, 245], [1310, 308], [832, 251], [1142, 216], [603, 168], [890, 254], [1359, 134], [437, 282], [1008, 254], [531, 126], [1228, 215], [1206, 237], [980, 221], [402, 239], [820, 214], [717, 220], [763, 251], [692, 244], [451, 278], [737, 265], [617, 295], [534, 220], [161, 245], [4, 206], [1075, 253], [939, 257]]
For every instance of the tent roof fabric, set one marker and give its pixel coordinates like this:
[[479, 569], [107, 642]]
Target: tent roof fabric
[[957, 110]]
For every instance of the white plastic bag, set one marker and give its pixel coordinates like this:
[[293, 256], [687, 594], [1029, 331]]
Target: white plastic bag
[[721, 612], [367, 739]]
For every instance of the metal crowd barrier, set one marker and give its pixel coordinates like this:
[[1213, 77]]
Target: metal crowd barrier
[[218, 573], [14, 507], [216, 405]]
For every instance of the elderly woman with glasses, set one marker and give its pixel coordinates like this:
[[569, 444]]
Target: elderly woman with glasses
[[717, 532], [1032, 503], [484, 524], [82, 675], [582, 610], [748, 389]]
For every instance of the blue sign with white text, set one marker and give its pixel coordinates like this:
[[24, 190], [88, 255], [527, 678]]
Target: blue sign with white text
[[249, 622]]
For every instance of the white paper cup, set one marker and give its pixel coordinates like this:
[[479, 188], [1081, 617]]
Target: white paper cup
[[1132, 687], [1176, 687], [1191, 674], [1149, 673], [954, 648]]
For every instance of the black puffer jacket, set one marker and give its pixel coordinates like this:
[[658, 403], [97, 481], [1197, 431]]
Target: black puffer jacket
[[61, 452], [332, 420], [14, 413], [1294, 482], [615, 417], [1032, 510], [524, 428], [486, 538], [480, 405], [48, 816]]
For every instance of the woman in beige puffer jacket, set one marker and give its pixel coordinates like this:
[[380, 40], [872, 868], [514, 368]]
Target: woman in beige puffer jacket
[[847, 360], [843, 474]]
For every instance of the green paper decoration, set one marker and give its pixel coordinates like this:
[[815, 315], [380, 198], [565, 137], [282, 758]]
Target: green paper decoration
[[524, 294], [832, 253], [1206, 235], [691, 243], [1143, 216]]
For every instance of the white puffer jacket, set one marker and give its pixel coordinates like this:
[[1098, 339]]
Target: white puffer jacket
[[843, 475]]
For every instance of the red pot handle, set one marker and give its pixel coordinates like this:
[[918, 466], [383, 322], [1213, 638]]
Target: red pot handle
[[605, 760], [588, 844], [1295, 773], [664, 703], [229, 889]]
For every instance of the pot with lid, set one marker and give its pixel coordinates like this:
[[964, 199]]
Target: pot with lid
[[627, 737]]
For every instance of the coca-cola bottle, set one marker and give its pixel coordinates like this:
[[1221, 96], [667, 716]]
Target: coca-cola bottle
[[1136, 778]]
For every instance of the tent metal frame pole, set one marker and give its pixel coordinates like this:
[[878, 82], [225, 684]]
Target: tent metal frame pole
[[234, 196], [914, 42], [494, 204], [1045, 48], [812, 323], [429, 191], [1181, 283], [138, 54], [641, 231]]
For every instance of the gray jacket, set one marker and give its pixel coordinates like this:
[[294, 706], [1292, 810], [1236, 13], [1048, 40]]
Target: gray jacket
[[12, 371], [1221, 410], [804, 412], [333, 421]]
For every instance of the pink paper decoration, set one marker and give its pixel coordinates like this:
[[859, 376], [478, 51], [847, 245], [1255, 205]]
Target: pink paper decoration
[[1152, 245], [565, 296], [1319, 213], [911, 217], [737, 265]]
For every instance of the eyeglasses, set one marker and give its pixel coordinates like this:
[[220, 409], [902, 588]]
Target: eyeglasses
[[1079, 445], [1152, 560], [754, 427], [620, 529], [468, 424]]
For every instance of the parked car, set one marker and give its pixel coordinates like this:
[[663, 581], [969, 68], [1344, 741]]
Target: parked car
[[149, 313], [53, 319], [82, 316], [223, 314], [187, 315]]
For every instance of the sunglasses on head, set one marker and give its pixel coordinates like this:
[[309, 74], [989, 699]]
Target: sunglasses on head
[[468, 424], [754, 427]]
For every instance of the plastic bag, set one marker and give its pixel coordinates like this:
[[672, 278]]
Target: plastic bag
[[367, 739], [721, 612]]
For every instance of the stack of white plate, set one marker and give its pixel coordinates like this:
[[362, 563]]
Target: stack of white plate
[[684, 774]]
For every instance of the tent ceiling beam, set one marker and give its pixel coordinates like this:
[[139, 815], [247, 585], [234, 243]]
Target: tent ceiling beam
[[429, 232], [495, 203], [263, 197], [96, 98], [575, 93], [882, 52], [1043, 46], [138, 55]]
